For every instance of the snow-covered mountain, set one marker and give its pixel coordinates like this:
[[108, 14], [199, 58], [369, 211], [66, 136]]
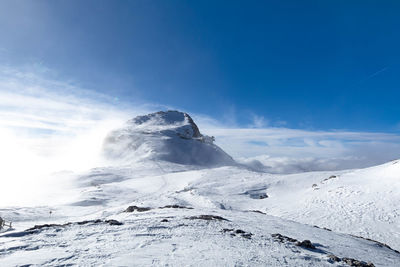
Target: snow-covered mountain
[[170, 136], [177, 199]]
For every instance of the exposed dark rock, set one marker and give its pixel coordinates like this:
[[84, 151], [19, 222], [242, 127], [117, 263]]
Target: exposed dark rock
[[164, 220], [380, 244], [258, 211], [357, 263], [327, 229], [196, 131], [54, 225], [170, 116], [305, 244], [257, 193], [207, 218], [89, 221], [315, 187], [113, 222], [42, 226], [136, 208], [281, 238], [332, 258], [247, 235], [175, 207], [330, 177], [238, 232]]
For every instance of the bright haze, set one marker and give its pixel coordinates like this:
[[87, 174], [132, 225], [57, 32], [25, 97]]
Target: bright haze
[[293, 86]]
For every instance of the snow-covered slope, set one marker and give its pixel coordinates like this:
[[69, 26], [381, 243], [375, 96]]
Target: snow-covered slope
[[361, 202], [171, 136], [158, 210]]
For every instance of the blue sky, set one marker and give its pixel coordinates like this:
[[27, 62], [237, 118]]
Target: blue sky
[[296, 85], [302, 64]]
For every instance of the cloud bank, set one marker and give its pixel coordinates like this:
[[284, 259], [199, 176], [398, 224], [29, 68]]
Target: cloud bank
[[48, 126], [284, 150]]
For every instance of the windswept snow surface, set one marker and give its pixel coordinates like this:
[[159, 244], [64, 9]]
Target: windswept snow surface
[[233, 193], [190, 214]]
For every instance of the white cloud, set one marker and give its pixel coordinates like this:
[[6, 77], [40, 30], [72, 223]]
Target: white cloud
[[47, 126], [290, 150], [258, 121]]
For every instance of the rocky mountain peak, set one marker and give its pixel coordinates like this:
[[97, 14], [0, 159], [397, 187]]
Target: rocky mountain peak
[[165, 135]]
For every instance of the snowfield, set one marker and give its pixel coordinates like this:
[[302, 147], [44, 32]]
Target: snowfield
[[177, 199]]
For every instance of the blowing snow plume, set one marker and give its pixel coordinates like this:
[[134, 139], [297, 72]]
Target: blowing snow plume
[[170, 136]]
